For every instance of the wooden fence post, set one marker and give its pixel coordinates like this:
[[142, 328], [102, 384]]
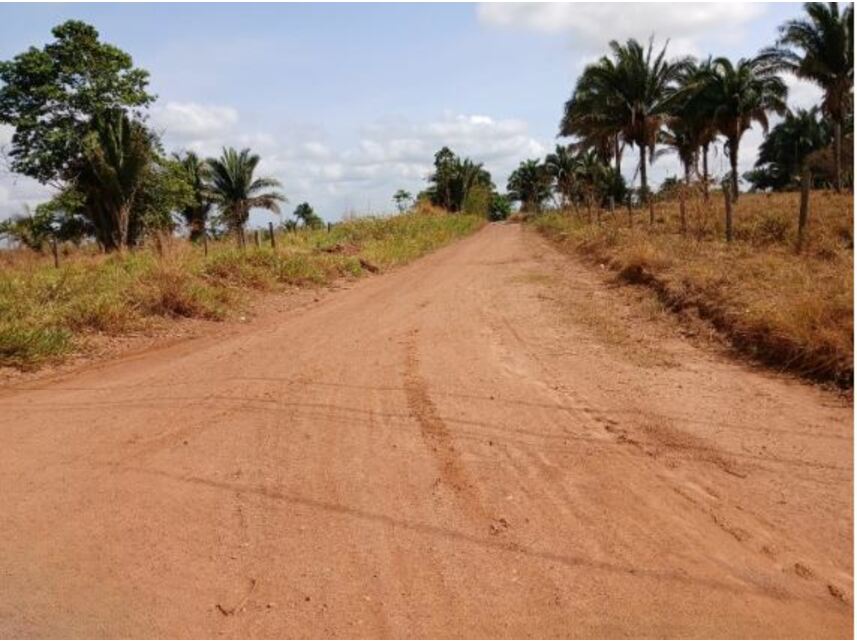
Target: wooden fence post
[[682, 211], [256, 238], [651, 212], [329, 226], [727, 197], [612, 204], [55, 252], [805, 184], [630, 213], [271, 231], [205, 243]]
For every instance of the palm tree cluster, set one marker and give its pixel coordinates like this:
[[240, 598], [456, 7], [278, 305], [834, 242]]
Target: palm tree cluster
[[127, 188], [637, 97], [454, 180]]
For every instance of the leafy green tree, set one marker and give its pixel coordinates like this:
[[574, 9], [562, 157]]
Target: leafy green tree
[[164, 193], [52, 95], [500, 208], [404, 200], [529, 184], [196, 175], [30, 230], [738, 95], [787, 148], [235, 189], [307, 216], [820, 48]]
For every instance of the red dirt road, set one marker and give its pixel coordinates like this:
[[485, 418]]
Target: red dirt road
[[486, 443]]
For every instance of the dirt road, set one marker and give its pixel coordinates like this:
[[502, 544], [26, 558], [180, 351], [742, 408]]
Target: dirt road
[[486, 443]]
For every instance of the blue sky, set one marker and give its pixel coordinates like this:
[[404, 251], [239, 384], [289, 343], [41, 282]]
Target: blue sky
[[347, 103]]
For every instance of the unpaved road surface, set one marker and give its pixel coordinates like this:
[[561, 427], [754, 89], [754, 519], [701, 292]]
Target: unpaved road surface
[[489, 442]]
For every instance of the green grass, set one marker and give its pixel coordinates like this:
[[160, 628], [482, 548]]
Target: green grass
[[46, 313]]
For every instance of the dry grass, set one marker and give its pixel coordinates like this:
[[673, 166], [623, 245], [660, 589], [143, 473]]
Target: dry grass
[[791, 310], [46, 312]]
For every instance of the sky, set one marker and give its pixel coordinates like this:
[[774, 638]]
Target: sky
[[347, 103]]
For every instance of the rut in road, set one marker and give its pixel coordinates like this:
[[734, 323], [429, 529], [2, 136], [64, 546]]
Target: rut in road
[[489, 442]]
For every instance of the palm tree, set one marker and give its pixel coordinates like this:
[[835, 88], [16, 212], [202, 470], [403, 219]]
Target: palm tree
[[627, 95], [306, 215], [738, 95], [789, 146], [820, 48], [529, 184], [691, 120], [196, 173], [235, 191], [117, 155], [562, 165]]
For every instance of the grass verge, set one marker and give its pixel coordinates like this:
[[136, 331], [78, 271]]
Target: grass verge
[[46, 313], [790, 310]]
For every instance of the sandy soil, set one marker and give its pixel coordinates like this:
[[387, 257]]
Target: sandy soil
[[486, 443]]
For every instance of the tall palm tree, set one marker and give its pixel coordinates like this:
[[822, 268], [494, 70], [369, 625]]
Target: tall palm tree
[[529, 184], [117, 155], [738, 95], [691, 124], [562, 165], [820, 48], [196, 173], [627, 95], [235, 191]]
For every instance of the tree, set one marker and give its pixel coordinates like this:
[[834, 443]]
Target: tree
[[738, 95], [787, 148], [306, 215], [52, 95], [530, 185], [29, 230], [562, 165], [235, 190], [624, 96], [196, 174], [500, 208], [453, 178], [691, 124], [116, 157], [404, 200], [820, 48]]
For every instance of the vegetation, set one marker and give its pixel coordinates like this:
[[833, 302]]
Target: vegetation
[[820, 48], [235, 189], [794, 311], [453, 179], [47, 312], [307, 216]]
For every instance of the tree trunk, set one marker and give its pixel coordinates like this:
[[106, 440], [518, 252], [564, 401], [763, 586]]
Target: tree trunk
[[727, 199], [618, 154], [687, 173], [805, 184], [705, 170], [733, 161], [123, 219], [644, 186], [837, 153]]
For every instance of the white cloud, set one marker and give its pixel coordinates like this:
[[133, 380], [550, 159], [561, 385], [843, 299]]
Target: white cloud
[[586, 22], [802, 93]]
